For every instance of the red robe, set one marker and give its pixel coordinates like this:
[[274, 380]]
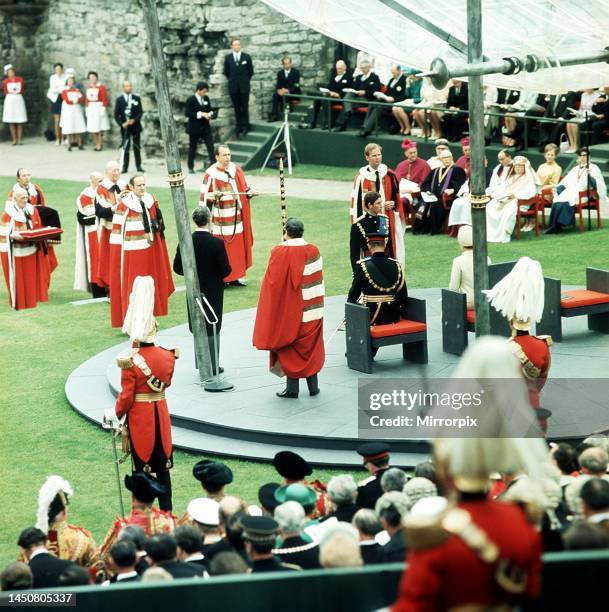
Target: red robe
[[365, 181], [464, 163], [26, 268], [231, 218], [36, 198], [416, 171], [289, 319], [136, 370], [451, 574], [135, 253], [106, 198], [87, 245]]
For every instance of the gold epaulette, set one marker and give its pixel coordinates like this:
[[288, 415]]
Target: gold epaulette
[[422, 533], [124, 362], [547, 339]]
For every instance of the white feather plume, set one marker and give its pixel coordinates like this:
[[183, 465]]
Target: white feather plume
[[46, 495], [520, 294], [139, 320]]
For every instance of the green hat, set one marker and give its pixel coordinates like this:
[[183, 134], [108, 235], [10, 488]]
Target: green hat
[[297, 492]]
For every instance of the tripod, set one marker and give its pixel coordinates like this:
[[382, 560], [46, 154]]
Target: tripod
[[282, 137]]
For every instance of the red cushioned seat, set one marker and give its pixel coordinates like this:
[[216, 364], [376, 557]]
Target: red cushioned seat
[[361, 109], [471, 316], [336, 107], [397, 329], [577, 298]]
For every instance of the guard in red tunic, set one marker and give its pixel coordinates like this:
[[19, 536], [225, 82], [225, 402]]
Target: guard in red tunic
[[48, 216], [26, 268], [138, 248], [472, 552], [146, 371], [289, 319], [87, 244], [225, 192], [108, 192], [144, 490], [376, 176], [519, 296]]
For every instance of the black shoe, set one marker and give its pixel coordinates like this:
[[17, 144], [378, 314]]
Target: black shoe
[[272, 118], [287, 394], [191, 170], [314, 392], [124, 170], [364, 133], [339, 128], [140, 169], [550, 230]]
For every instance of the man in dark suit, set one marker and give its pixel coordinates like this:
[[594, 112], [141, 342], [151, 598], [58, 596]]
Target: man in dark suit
[[162, 551], [124, 558], [239, 69], [45, 568], [368, 526], [199, 113], [557, 108], [128, 115], [339, 80], [390, 509], [455, 121], [288, 81], [212, 268], [365, 84]]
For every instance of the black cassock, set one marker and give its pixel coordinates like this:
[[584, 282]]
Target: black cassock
[[430, 216]]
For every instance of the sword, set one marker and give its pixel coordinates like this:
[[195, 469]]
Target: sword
[[115, 434]]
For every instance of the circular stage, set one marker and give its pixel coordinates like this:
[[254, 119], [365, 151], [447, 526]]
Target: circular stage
[[250, 422]]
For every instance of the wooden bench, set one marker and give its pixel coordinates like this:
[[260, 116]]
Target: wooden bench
[[410, 332], [593, 301], [457, 320]]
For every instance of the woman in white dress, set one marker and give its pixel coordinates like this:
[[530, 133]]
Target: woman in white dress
[[14, 112], [501, 211], [430, 96], [57, 83], [72, 120], [96, 104]]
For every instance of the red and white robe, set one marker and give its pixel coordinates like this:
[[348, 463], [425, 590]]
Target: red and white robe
[[87, 246], [135, 252], [26, 268], [289, 319], [231, 218], [106, 199], [388, 188], [35, 197]]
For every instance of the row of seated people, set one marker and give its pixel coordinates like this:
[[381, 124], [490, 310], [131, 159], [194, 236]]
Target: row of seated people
[[409, 96], [437, 191]]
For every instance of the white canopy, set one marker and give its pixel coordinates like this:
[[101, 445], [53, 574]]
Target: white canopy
[[548, 28]]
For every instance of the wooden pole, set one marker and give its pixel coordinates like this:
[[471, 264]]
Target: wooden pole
[[176, 183], [477, 178]]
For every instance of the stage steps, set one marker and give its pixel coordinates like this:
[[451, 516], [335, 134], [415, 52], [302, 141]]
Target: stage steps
[[249, 151]]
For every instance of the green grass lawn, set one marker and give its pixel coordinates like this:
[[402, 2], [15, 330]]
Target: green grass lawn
[[41, 435], [313, 171]]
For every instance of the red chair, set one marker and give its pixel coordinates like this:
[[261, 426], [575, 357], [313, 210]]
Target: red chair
[[531, 213], [583, 203], [546, 199]]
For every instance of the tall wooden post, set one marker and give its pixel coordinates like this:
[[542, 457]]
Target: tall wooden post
[[477, 178], [176, 182]]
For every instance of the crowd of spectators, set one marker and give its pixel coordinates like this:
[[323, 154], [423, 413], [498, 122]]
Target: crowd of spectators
[[300, 524]]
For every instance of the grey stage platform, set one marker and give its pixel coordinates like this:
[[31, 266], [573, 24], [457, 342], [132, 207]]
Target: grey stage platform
[[250, 422]]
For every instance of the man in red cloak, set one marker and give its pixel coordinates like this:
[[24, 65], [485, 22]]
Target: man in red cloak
[[289, 320]]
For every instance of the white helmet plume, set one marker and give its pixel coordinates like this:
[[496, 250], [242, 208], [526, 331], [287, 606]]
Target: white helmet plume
[[140, 323], [53, 486]]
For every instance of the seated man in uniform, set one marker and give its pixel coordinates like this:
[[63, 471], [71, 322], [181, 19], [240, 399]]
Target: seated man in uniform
[[380, 281]]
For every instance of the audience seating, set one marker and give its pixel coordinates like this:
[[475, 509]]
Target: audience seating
[[534, 204], [592, 302], [585, 203], [457, 320], [361, 337]]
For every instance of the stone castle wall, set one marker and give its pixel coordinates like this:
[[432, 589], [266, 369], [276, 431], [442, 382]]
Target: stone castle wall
[[110, 37]]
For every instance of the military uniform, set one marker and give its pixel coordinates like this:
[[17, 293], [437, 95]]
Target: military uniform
[[358, 245], [380, 280], [75, 544], [482, 554], [260, 532], [533, 352], [369, 489]]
